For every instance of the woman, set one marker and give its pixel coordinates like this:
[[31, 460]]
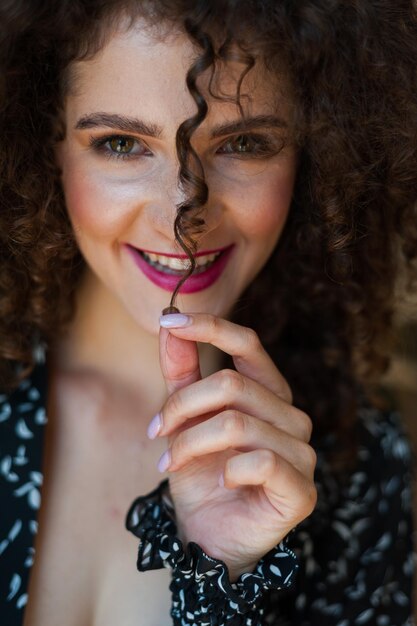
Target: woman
[[256, 161]]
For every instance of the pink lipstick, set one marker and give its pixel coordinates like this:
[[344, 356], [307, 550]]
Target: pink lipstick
[[165, 269]]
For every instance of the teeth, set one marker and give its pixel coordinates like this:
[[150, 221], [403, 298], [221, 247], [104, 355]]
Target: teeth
[[179, 264], [173, 263]]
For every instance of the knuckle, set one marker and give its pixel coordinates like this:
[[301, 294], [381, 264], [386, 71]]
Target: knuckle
[[251, 339], [307, 501], [213, 324], [173, 405], [181, 446], [311, 457], [307, 457], [233, 422], [266, 462], [311, 499], [231, 382], [305, 426], [287, 393]]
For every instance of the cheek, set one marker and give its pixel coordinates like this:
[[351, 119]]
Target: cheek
[[96, 209], [264, 206]]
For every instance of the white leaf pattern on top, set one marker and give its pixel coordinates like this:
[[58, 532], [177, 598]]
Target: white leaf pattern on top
[[355, 550], [22, 420]]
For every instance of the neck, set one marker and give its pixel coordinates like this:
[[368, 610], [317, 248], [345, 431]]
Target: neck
[[103, 338]]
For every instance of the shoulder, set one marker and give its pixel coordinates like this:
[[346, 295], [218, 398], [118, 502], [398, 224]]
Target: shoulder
[[356, 548], [360, 534], [382, 445], [379, 484], [28, 399], [23, 413], [22, 423], [385, 462], [382, 432], [384, 456]]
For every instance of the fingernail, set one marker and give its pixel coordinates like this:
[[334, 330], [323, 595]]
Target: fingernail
[[221, 480], [175, 320], [165, 461], [155, 426]]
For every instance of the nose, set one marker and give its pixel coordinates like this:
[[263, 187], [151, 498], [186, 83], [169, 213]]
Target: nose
[[168, 194]]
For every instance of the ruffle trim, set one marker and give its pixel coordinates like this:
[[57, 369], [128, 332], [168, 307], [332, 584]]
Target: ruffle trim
[[200, 584]]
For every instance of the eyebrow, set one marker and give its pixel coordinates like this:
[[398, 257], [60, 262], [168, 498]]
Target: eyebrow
[[248, 123], [118, 122], [137, 126]]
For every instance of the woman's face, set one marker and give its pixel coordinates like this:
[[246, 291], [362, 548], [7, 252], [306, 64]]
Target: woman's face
[[120, 174]]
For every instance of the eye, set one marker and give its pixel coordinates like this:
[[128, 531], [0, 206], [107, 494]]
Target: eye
[[240, 144], [250, 146], [119, 147]]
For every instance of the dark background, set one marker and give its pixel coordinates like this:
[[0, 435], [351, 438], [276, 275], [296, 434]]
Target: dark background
[[400, 385]]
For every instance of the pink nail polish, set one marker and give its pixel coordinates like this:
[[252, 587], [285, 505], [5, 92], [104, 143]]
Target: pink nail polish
[[165, 461], [155, 426]]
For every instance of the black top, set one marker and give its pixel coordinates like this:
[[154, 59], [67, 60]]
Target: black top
[[354, 553]]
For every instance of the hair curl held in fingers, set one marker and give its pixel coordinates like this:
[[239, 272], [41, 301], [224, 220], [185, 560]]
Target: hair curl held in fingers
[[326, 295]]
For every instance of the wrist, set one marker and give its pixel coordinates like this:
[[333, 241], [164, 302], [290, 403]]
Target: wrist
[[235, 567], [201, 584]]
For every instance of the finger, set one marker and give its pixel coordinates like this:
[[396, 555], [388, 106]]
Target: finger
[[243, 344], [235, 430], [289, 492], [230, 389], [179, 360]]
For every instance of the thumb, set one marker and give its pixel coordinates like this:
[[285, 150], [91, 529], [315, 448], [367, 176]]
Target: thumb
[[179, 360]]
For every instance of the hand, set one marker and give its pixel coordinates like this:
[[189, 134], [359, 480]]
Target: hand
[[241, 469]]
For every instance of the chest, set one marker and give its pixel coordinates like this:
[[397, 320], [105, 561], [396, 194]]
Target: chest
[[97, 460]]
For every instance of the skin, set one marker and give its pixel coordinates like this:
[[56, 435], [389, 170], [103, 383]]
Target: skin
[[239, 424], [111, 202]]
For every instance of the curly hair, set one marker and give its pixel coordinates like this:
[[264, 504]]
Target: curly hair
[[325, 297]]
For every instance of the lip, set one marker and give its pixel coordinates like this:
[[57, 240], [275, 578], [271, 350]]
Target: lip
[[168, 282], [184, 256]]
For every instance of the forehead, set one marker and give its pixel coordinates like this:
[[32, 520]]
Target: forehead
[[139, 69]]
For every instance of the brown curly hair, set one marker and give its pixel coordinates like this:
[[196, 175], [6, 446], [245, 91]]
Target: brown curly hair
[[325, 297]]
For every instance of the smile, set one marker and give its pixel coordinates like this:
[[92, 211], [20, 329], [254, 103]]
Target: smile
[[165, 270], [178, 266]]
